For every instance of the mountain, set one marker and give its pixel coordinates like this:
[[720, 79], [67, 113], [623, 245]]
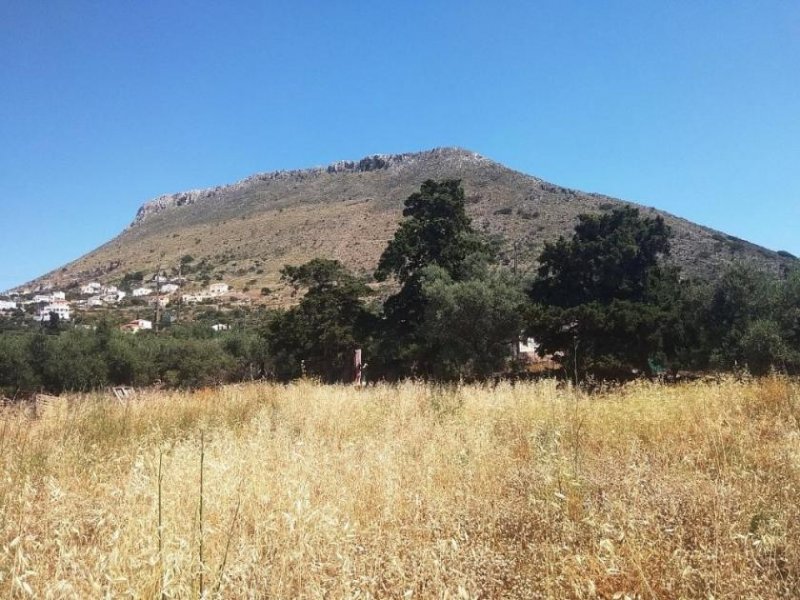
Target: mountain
[[245, 232]]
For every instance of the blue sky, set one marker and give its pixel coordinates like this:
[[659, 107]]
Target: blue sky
[[691, 107]]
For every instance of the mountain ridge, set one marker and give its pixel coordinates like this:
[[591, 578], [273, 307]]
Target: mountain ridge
[[370, 162], [245, 231]]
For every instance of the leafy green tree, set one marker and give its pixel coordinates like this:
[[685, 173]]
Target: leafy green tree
[[17, 374], [740, 297], [603, 299], [753, 321], [470, 326], [436, 232], [685, 337], [317, 337], [611, 256], [53, 323], [787, 315], [72, 361], [132, 359], [193, 362], [762, 347], [248, 352]]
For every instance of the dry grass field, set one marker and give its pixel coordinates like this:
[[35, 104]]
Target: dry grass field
[[409, 491]]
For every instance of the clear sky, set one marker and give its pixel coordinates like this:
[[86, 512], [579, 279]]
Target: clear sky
[[691, 107]]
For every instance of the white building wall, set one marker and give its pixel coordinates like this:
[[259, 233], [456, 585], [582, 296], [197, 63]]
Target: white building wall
[[62, 310], [218, 288]]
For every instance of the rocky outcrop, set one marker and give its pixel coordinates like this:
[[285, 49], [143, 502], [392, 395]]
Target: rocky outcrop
[[375, 162]]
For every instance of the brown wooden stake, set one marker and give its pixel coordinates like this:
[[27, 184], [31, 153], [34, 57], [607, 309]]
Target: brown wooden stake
[[357, 366]]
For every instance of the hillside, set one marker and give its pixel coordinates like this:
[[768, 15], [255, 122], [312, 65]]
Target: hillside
[[245, 232]]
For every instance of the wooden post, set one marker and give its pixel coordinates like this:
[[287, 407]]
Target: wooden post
[[357, 367]]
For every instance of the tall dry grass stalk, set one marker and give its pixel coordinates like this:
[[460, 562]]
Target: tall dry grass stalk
[[408, 491]]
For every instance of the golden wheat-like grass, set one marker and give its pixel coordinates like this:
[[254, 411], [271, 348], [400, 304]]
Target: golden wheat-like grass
[[408, 491]]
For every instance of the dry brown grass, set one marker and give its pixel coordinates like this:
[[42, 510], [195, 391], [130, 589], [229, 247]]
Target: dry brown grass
[[407, 491]]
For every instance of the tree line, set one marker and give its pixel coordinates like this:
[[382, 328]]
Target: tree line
[[605, 303]]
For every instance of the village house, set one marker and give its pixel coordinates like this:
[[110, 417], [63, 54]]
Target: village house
[[94, 301], [160, 301], [217, 289], [169, 288], [60, 308], [220, 327], [141, 291], [194, 298], [136, 325], [91, 289], [46, 298], [526, 351], [113, 297], [7, 305], [527, 347]]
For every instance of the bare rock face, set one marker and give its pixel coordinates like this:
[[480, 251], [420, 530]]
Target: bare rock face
[[156, 205], [375, 162]]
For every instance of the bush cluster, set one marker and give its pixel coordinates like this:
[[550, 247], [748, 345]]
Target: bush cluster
[[82, 360]]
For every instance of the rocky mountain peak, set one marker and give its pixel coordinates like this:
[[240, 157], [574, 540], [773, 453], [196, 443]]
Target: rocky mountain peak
[[373, 162]]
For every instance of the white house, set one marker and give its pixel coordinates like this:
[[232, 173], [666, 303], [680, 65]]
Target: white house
[[161, 301], [137, 325], [198, 297], [217, 289], [91, 288], [111, 289], [169, 288], [141, 291], [7, 305], [220, 327], [51, 297], [94, 301], [528, 346], [60, 308], [113, 297]]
